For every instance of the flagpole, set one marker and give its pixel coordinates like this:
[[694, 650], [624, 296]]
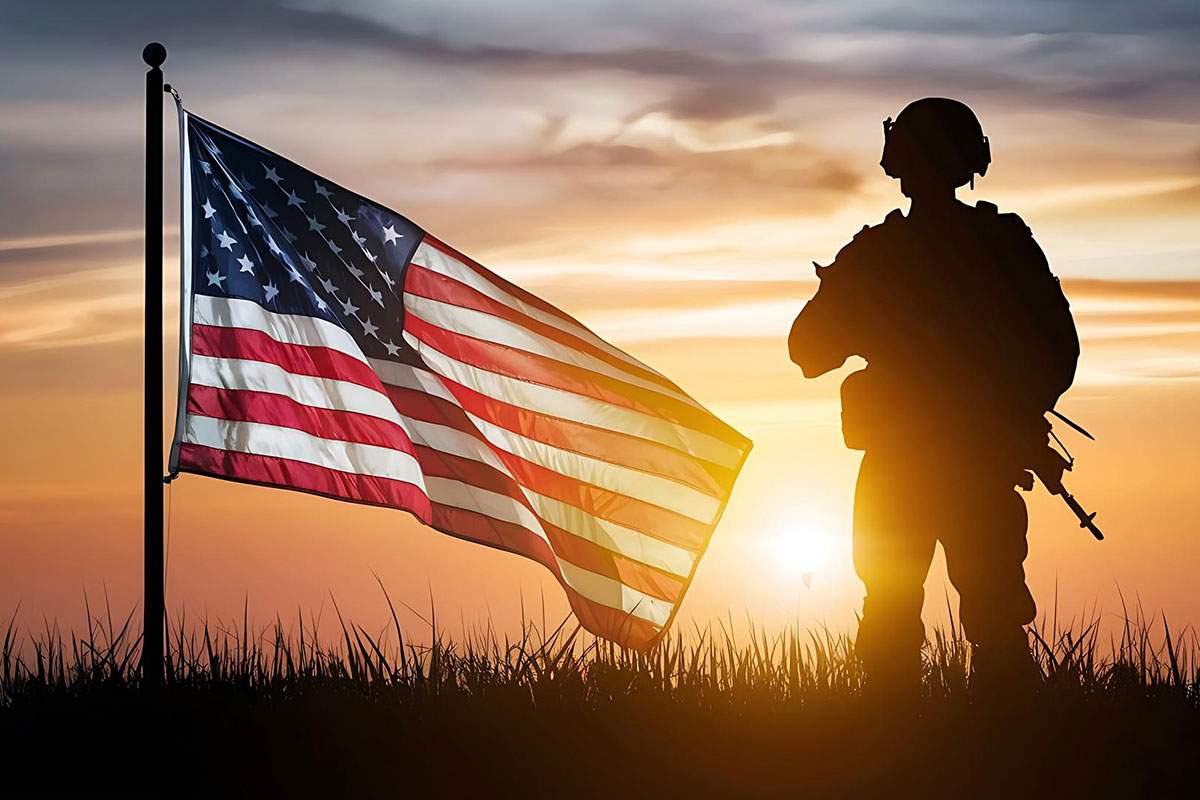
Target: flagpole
[[154, 54]]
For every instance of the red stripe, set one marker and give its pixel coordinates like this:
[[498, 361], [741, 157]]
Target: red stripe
[[424, 282], [276, 409], [533, 368], [500, 283], [619, 626], [481, 528], [641, 516], [624, 569], [298, 359], [440, 464], [601, 620], [288, 474]]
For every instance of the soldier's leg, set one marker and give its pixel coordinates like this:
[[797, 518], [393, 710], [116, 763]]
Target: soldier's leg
[[985, 555], [893, 547]]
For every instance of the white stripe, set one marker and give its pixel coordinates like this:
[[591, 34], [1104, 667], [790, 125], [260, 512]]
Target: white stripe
[[469, 497], [643, 486], [609, 535], [447, 439], [409, 377], [606, 591], [437, 261], [260, 439], [481, 325], [553, 402], [234, 312], [185, 287], [261, 376]]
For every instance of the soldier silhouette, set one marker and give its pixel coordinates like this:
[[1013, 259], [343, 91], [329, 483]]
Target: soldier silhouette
[[969, 342]]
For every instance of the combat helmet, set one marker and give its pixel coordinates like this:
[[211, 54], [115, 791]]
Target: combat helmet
[[936, 135]]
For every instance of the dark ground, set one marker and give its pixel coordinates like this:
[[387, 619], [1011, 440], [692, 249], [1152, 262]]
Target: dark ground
[[329, 743]]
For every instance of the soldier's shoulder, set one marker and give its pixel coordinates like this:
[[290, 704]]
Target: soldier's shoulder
[[1009, 223], [872, 237]]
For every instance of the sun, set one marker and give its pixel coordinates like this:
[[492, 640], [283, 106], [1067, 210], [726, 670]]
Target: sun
[[799, 546]]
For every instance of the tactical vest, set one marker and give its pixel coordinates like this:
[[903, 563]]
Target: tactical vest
[[967, 335]]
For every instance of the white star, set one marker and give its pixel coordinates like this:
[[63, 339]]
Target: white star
[[390, 236], [204, 251], [393, 349], [294, 199], [208, 210], [247, 264], [271, 292], [272, 175], [327, 285], [295, 274], [386, 278], [343, 217], [376, 296], [370, 256], [369, 329], [247, 184], [236, 192], [227, 241], [358, 240], [314, 224], [355, 271], [333, 246], [253, 217], [204, 165], [309, 264], [321, 304], [274, 247], [215, 279], [287, 234], [348, 308], [270, 212], [321, 190]]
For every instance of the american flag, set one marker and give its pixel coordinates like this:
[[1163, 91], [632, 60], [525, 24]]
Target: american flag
[[332, 346]]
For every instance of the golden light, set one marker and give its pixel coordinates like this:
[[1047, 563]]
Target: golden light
[[799, 546]]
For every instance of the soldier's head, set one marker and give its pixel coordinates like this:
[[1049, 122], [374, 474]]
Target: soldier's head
[[935, 145]]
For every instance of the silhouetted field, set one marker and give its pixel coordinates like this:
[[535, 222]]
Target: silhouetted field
[[267, 713]]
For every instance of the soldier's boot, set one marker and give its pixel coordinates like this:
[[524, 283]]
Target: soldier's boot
[[1002, 666]]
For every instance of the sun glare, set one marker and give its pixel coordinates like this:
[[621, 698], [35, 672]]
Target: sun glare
[[800, 546]]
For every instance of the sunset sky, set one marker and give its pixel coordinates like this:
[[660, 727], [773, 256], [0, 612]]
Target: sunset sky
[[666, 172]]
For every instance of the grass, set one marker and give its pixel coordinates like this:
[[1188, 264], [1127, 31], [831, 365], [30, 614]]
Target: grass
[[288, 710]]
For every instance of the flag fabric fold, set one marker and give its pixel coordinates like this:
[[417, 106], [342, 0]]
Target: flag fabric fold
[[329, 345]]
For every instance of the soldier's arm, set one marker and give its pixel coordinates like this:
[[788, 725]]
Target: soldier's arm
[[1056, 326], [820, 340]]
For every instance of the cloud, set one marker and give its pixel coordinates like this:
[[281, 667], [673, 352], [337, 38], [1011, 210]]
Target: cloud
[[94, 308]]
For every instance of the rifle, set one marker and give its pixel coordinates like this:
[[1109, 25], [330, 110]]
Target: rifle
[[1049, 466]]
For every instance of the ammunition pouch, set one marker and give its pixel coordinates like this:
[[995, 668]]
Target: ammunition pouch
[[859, 410]]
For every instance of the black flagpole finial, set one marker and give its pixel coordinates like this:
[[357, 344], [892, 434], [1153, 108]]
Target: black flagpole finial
[[154, 54]]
